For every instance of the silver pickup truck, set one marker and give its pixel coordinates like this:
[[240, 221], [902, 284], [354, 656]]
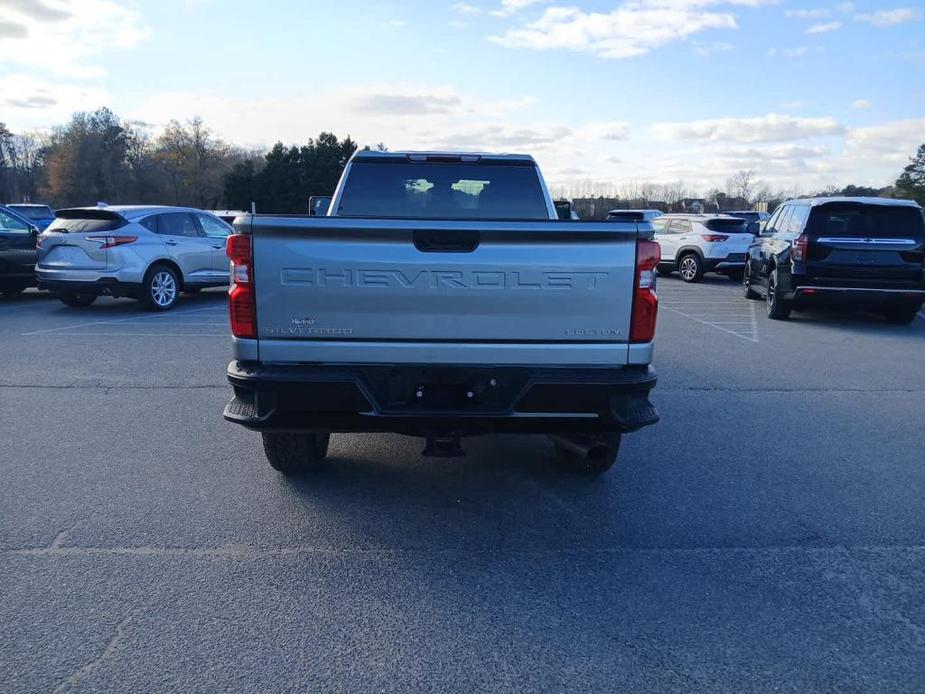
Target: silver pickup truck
[[442, 297]]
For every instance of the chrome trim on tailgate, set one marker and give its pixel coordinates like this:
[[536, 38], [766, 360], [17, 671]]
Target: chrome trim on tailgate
[[869, 242]]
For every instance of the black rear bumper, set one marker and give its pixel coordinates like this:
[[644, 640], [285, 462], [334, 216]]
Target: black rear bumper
[[101, 286], [856, 296], [419, 400]]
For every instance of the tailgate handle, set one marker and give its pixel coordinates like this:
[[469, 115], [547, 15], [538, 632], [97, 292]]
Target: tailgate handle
[[446, 241]]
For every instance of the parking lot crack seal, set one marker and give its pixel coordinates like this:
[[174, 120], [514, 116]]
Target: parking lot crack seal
[[89, 667]]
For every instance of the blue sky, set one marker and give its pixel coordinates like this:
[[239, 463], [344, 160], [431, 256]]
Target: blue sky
[[806, 94]]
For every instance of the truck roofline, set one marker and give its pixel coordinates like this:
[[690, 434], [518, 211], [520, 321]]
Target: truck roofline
[[432, 155]]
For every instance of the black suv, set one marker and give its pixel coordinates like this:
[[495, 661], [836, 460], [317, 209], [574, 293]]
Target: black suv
[[857, 252]]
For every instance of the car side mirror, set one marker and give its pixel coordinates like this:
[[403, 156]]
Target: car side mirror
[[318, 205], [34, 230], [563, 209]]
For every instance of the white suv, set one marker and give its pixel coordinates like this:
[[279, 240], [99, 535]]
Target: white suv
[[694, 244]]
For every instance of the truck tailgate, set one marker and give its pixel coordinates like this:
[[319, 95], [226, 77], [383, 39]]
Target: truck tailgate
[[338, 289]]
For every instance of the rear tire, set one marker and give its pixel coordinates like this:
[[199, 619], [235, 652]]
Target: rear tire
[[296, 454], [690, 268], [161, 288], [600, 458], [77, 300], [778, 308], [901, 315], [750, 293]]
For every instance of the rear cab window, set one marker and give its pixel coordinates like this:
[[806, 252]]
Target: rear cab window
[[860, 220], [489, 190]]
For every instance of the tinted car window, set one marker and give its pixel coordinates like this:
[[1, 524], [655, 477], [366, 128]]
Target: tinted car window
[[212, 227], [33, 211], [797, 219], [79, 221], [12, 225], [783, 220], [428, 190], [177, 224], [772, 221], [150, 223], [856, 220], [680, 226], [729, 226]]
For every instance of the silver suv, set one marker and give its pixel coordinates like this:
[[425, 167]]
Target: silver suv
[[694, 244], [147, 253]]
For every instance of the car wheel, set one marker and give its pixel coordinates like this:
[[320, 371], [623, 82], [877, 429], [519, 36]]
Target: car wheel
[[161, 288], [76, 300], [901, 315], [690, 268], [778, 308], [664, 271], [747, 285], [296, 454], [590, 456]]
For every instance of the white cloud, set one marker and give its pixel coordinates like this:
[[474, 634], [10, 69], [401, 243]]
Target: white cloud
[[63, 36], [860, 104], [773, 152], [616, 130], [770, 128], [824, 27], [633, 29], [818, 13], [794, 52], [466, 8], [888, 18], [27, 102], [509, 7], [791, 105], [706, 49]]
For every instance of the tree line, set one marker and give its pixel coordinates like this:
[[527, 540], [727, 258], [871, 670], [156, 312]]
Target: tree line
[[98, 157]]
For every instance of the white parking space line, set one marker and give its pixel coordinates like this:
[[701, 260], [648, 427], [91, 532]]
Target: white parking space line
[[719, 307], [99, 334], [155, 317]]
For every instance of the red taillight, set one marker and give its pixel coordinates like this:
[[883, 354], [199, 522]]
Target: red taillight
[[645, 300], [241, 306], [714, 238], [112, 241], [799, 251]]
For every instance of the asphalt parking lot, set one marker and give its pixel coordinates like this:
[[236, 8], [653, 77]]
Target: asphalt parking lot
[[768, 534]]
